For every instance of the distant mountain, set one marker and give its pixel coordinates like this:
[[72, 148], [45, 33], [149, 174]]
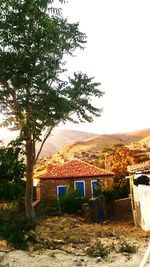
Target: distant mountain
[[94, 145], [132, 136], [62, 138], [58, 139], [68, 142]]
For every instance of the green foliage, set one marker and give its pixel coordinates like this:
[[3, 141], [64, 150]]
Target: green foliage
[[71, 202], [11, 171], [14, 228], [46, 207], [36, 93], [110, 194], [33, 92], [98, 249], [14, 233], [126, 246], [122, 190], [117, 192]]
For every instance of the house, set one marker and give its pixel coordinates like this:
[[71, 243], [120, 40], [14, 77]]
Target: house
[[140, 194], [75, 174]]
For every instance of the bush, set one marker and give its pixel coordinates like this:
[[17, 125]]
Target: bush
[[12, 170], [117, 192], [10, 191], [98, 249], [126, 246], [71, 202], [14, 233], [14, 227]]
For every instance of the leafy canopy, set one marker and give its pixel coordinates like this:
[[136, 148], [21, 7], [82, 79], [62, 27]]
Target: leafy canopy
[[11, 171], [35, 92]]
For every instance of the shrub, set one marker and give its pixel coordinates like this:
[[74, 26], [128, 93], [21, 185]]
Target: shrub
[[98, 249], [71, 202], [110, 194], [13, 227], [14, 233], [126, 246], [12, 170]]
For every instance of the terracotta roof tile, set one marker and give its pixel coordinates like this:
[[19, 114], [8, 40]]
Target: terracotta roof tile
[[75, 168], [143, 167]]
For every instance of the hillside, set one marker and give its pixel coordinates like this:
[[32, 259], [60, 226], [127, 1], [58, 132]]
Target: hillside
[[58, 139], [145, 142], [131, 137], [62, 138], [94, 145], [68, 142]]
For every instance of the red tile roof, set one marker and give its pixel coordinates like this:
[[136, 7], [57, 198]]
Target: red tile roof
[[143, 167], [75, 168]]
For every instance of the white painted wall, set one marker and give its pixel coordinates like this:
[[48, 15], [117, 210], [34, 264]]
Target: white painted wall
[[142, 195]]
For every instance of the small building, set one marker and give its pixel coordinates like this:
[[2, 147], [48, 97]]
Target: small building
[[74, 174], [140, 194]]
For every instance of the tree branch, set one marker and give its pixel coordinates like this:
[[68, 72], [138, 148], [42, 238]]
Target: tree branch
[[43, 142]]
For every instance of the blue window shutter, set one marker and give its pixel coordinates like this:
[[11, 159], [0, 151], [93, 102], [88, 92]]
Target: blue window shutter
[[62, 190], [79, 186], [94, 188]]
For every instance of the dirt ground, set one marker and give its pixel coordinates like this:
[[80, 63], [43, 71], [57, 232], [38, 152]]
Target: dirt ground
[[76, 229], [63, 241]]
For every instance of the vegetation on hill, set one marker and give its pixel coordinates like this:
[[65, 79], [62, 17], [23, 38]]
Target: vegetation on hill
[[92, 147], [117, 159]]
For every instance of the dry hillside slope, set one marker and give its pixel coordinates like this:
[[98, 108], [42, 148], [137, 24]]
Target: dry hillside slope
[[95, 144], [68, 142], [145, 141]]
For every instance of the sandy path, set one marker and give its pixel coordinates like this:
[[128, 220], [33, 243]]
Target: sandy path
[[57, 258]]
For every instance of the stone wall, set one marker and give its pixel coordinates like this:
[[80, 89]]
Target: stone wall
[[47, 188]]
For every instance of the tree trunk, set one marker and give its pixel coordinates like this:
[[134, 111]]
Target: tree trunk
[[30, 156]]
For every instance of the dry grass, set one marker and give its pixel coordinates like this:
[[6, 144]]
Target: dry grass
[[75, 230]]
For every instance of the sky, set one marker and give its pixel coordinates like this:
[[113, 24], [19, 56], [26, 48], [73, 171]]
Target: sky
[[117, 54]]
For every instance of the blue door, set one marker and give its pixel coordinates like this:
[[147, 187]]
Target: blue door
[[80, 187], [62, 191], [94, 188]]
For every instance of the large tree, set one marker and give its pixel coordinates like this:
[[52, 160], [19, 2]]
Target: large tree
[[35, 93]]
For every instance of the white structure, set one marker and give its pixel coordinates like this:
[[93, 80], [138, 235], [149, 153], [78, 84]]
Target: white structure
[[140, 195]]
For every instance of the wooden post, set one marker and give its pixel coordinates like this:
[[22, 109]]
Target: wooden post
[[135, 205], [132, 198]]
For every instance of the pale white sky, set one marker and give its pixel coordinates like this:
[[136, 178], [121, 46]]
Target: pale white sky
[[118, 55]]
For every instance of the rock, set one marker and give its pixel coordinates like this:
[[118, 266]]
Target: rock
[[98, 259], [125, 253], [58, 242], [2, 254], [79, 262], [3, 243], [81, 259], [4, 246], [75, 259]]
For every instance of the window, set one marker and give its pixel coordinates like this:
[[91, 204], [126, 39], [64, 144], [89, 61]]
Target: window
[[80, 187], [62, 191], [94, 188]]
